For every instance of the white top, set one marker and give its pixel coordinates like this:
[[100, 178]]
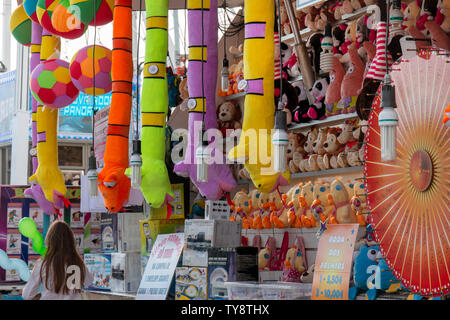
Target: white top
[[31, 289]]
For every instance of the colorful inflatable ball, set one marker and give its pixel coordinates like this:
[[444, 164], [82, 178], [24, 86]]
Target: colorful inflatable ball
[[20, 26], [85, 67], [85, 10], [104, 13], [63, 20], [52, 85], [30, 9], [44, 11]]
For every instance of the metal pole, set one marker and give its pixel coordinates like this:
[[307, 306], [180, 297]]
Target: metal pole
[[300, 49], [5, 56]]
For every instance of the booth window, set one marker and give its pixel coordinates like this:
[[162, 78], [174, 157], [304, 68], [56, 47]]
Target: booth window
[[70, 156]]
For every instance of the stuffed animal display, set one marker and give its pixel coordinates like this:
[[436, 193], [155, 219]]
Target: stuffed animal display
[[228, 117], [155, 184]]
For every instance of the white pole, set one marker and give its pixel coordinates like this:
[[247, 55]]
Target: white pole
[[21, 120], [5, 56]]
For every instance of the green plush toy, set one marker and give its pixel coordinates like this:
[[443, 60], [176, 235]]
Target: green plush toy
[[155, 184]]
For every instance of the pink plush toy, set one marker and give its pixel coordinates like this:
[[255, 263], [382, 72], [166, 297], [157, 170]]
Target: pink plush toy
[[333, 95], [352, 82], [438, 36], [371, 51]]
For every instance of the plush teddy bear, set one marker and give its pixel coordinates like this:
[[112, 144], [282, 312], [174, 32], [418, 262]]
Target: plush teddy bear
[[264, 204], [333, 95], [184, 94], [332, 148], [339, 201], [314, 162], [318, 91], [293, 264], [326, 16], [347, 7], [278, 216], [443, 15], [320, 207], [427, 13], [371, 51], [352, 82], [235, 50], [228, 117], [354, 36], [311, 17], [295, 151], [308, 147], [300, 114], [293, 206], [241, 209], [285, 25]]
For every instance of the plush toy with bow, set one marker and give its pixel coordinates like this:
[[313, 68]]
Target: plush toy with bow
[[228, 116], [295, 262], [318, 91], [301, 111]]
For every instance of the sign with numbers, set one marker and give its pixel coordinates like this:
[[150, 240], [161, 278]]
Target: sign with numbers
[[160, 267], [333, 262]]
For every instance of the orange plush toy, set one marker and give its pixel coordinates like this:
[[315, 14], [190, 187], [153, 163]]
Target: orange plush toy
[[114, 185]]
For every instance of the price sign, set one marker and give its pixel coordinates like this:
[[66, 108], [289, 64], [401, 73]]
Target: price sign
[[301, 4], [160, 267], [333, 262]]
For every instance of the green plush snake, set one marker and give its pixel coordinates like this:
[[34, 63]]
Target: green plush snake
[[155, 184]]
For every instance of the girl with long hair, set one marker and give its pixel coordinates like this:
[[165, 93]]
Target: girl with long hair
[[61, 272]]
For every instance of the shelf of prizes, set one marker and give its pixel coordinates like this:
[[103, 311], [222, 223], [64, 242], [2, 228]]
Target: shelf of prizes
[[295, 150]]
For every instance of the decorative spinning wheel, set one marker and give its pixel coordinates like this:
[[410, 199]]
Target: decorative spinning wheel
[[409, 197]]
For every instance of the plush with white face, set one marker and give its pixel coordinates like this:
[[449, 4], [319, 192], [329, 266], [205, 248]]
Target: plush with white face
[[226, 111], [319, 88]]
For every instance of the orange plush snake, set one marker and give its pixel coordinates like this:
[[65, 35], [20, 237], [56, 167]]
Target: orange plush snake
[[114, 185]]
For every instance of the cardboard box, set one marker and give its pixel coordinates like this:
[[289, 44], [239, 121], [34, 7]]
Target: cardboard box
[[191, 283], [217, 210], [150, 229], [128, 227], [125, 271], [99, 265], [221, 268], [109, 232], [177, 203], [199, 235]]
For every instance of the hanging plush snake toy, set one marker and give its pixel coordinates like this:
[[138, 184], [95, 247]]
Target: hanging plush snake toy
[[203, 25], [155, 183], [113, 184], [259, 103]]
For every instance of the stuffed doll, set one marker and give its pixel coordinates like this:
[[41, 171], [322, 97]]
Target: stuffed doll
[[308, 276], [303, 205], [352, 82], [438, 36], [411, 13], [255, 210], [308, 147], [278, 215], [266, 254], [320, 207], [395, 30], [289, 98], [293, 206], [228, 116], [294, 264], [318, 91], [285, 24], [314, 164], [443, 15], [326, 56], [339, 200], [332, 148], [235, 50], [264, 204], [291, 67], [301, 111], [286, 54], [338, 34], [184, 94], [346, 7], [427, 13], [371, 50], [359, 201], [243, 174], [295, 151], [315, 48], [326, 16], [241, 209], [237, 75], [333, 94], [345, 45], [311, 17], [346, 138]]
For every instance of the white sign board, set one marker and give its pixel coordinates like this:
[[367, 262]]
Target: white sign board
[[161, 267]]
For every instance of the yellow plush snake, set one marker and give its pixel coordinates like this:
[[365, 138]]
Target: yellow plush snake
[[48, 175], [259, 103]]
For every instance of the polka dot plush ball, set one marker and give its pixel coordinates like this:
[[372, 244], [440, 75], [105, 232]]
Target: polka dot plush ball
[[84, 67], [52, 85]]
